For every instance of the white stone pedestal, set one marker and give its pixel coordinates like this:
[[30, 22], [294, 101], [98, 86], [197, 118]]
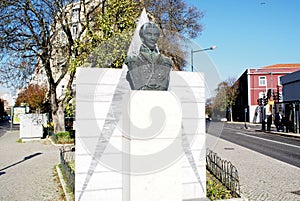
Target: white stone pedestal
[[152, 148], [139, 145]]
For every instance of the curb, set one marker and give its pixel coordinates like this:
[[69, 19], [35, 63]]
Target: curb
[[280, 133], [57, 145], [235, 199], [259, 130], [63, 184], [54, 144]]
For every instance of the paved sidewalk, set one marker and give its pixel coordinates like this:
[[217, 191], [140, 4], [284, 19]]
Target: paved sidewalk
[[26, 169], [261, 177]]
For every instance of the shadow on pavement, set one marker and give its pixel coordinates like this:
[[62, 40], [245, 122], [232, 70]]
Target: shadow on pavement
[[25, 159]]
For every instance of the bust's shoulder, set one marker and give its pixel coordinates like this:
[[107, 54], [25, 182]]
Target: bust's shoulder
[[131, 58], [167, 60], [130, 61]]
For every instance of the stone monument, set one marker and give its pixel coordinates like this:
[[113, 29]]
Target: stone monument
[[140, 132]]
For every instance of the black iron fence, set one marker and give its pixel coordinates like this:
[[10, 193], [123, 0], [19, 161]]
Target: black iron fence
[[224, 171], [67, 155]]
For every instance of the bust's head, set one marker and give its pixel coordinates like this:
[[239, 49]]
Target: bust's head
[[149, 34]]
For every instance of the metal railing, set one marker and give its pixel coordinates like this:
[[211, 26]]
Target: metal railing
[[224, 171], [67, 154]]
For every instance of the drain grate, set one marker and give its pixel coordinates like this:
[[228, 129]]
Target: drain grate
[[229, 148], [296, 192]]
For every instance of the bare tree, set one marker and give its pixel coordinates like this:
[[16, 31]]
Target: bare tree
[[232, 92], [31, 34], [179, 22]]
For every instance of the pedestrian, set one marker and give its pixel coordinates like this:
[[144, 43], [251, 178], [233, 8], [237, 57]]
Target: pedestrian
[[269, 122], [285, 123], [278, 122]]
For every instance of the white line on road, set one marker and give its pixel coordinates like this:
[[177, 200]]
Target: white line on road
[[291, 145]]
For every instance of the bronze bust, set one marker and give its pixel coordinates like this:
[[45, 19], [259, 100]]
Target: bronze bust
[[149, 70]]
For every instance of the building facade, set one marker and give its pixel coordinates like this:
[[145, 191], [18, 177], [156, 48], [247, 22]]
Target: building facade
[[257, 83], [289, 107]]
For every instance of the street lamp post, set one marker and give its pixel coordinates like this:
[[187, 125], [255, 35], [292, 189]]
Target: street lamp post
[[194, 51], [245, 110], [263, 113]]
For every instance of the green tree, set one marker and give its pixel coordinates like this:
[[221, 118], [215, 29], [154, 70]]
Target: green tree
[[220, 103], [226, 94], [106, 43], [58, 36], [232, 92], [209, 106], [42, 34]]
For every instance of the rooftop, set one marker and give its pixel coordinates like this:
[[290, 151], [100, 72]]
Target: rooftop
[[283, 66]]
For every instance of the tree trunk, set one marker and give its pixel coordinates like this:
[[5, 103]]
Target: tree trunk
[[231, 120], [58, 115], [59, 119]]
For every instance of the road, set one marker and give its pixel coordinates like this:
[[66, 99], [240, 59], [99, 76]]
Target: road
[[268, 165], [4, 127], [285, 149]]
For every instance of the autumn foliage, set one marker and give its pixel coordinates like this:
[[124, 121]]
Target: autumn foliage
[[33, 96]]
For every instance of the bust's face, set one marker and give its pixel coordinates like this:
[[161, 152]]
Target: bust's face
[[150, 36]]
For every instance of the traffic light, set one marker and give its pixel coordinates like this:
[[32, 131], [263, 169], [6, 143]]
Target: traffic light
[[279, 96], [259, 101], [269, 93]]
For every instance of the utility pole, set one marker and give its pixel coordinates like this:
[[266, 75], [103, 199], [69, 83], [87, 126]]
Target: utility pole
[[263, 112], [246, 118]]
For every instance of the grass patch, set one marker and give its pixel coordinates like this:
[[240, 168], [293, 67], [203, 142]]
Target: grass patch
[[71, 164], [215, 190], [19, 140], [69, 191], [56, 178], [63, 138]]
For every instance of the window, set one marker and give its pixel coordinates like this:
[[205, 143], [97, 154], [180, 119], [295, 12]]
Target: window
[[74, 30], [279, 82], [262, 81], [75, 14]]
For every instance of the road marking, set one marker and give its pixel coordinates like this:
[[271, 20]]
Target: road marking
[[291, 145]]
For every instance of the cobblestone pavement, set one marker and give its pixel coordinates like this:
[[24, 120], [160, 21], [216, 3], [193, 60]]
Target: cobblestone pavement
[[261, 177], [26, 169]]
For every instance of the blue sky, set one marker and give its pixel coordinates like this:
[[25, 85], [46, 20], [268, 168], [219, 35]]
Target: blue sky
[[249, 33]]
